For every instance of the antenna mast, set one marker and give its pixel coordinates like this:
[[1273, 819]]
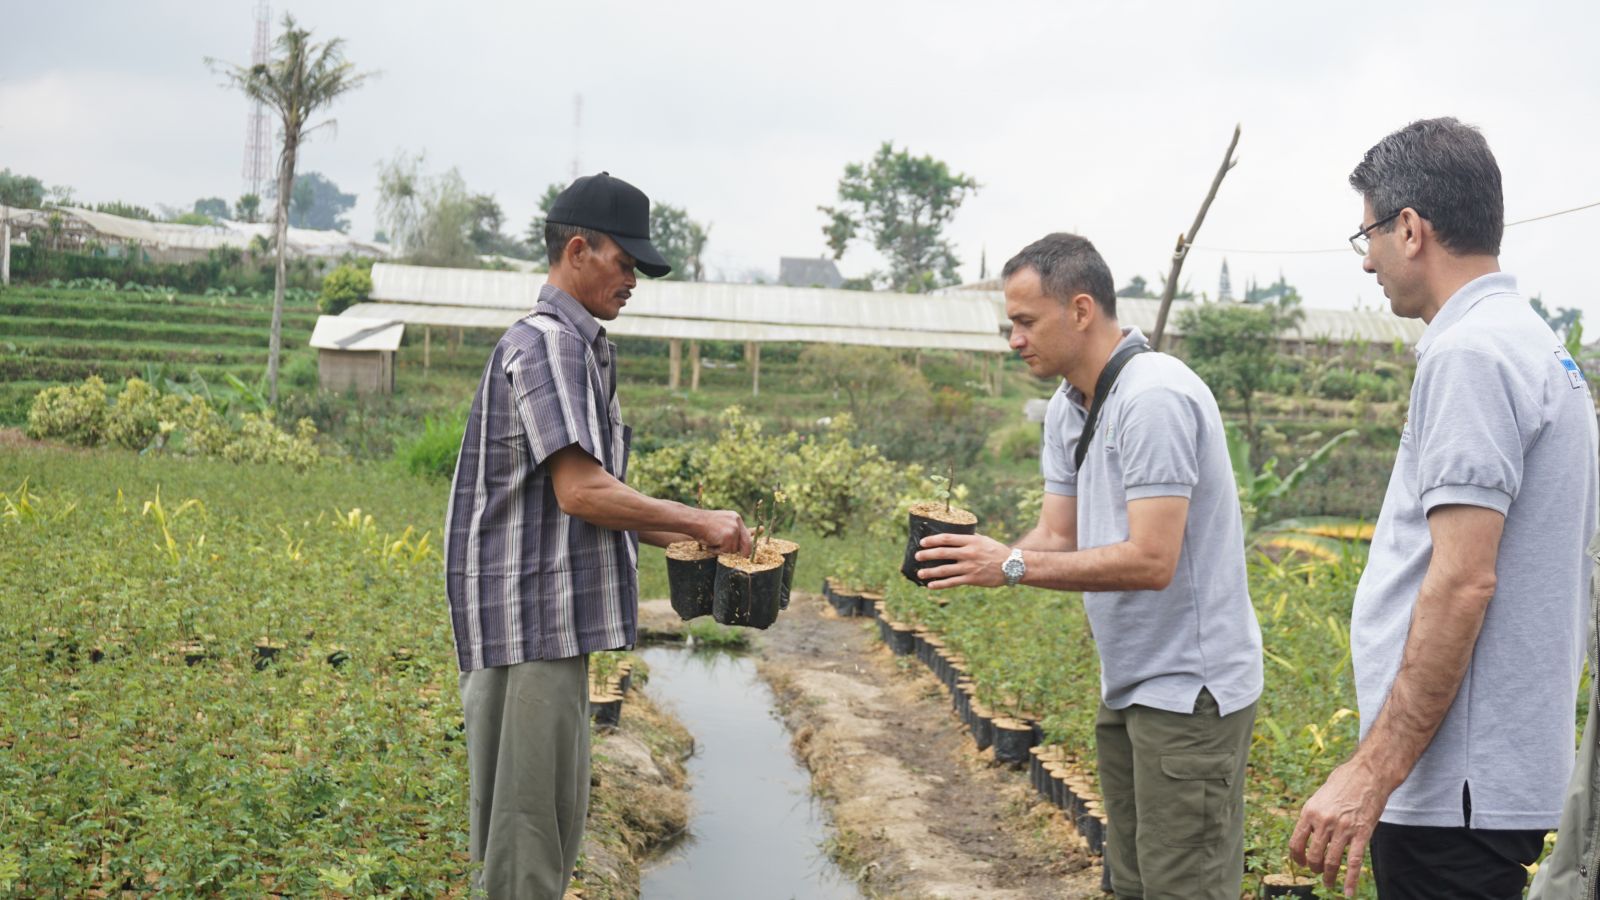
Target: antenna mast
[[577, 135], [256, 155]]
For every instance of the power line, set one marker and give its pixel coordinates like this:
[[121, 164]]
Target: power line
[[1347, 249]]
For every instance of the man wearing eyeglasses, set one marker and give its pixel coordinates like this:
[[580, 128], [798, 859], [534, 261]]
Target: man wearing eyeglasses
[[1467, 630]]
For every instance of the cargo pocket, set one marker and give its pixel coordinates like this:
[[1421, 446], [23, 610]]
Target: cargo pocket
[[1197, 798]]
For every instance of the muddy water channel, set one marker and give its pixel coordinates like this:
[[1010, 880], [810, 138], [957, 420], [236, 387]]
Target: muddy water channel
[[755, 832]]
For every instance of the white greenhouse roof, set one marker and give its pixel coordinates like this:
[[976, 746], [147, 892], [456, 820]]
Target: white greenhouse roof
[[342, 333], [696, 310], [171, 235], [1336, 325]]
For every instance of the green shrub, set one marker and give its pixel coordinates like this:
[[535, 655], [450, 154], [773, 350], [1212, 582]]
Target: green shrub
[[135, 417], [300, 371], [342, 288], [75, 413], [434, 452], [1020, 441], [142, 418], [259, 439]]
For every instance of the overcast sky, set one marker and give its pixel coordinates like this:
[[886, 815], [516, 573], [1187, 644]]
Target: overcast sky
[[1108, 118]]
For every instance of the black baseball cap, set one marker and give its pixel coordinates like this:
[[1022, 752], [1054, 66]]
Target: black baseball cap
[[616, 209]]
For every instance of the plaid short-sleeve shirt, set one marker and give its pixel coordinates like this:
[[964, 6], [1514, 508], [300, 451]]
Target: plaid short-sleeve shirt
[[525, 580]]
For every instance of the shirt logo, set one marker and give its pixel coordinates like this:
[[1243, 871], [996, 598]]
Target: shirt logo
[[1574, 374]]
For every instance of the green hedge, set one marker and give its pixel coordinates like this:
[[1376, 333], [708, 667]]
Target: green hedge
[[114, 309], [146, 331]]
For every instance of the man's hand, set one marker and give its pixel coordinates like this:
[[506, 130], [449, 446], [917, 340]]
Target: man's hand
[[975, 559], [723, 531], [1339, 820]]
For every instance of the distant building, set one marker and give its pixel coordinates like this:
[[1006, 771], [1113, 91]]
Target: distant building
[[1224, 285], [809, 271]]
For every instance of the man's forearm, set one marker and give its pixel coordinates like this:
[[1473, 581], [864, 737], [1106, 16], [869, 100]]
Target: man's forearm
[[1439, 647], [1113, 567], [1042, 538], [609, 503], [663, 538]]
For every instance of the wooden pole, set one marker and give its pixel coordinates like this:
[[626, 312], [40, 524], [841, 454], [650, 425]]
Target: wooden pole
[[5, 246], [755, 369], [1184, 243], [427, 347], [674, 363], [694, 365]]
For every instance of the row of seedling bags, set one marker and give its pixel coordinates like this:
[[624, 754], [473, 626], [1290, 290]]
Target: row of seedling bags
[[606, 692]]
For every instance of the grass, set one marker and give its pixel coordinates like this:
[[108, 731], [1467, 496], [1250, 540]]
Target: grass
[[125, 768]]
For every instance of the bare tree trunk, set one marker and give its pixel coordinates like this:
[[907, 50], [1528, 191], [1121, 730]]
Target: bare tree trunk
[[1184, 243], [285, 188]]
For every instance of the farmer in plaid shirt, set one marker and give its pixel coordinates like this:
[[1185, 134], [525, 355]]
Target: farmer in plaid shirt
[[541, 547]]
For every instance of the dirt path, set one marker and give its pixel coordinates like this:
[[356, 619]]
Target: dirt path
[[917, 812]]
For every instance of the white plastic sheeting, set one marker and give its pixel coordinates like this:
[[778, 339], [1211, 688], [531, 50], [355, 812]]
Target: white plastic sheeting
[[340, 333], [1339, 326], [472, 298], [173, 236]]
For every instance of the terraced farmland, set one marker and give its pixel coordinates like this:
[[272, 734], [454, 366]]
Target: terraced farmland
[[54, 335]]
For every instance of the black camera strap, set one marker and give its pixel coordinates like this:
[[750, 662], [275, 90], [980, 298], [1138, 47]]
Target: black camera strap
[[1102, 387]]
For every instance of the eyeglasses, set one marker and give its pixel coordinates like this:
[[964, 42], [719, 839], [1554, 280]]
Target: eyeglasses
[[1361, 241]]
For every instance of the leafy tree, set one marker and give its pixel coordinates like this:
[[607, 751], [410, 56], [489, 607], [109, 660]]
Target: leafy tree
[[21, 190], [317, 202], [902, 204], [301, 77], [681, 240], [212, 207], [248, 209], [1136, 288], [1233, 347], [1561, 320], [400, 184], [487, 219], [125, 210], [429, 218], [535, 241], [1280, 292], [486, 233], [193, 218]]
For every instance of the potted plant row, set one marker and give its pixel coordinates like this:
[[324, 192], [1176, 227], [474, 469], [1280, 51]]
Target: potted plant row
[[1015, 739]]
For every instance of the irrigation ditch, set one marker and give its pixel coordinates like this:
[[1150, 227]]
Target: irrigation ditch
[[911, 806]]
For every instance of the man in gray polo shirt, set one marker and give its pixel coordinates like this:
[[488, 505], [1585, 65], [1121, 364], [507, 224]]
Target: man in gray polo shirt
[[1468, 626], [1149, 528]]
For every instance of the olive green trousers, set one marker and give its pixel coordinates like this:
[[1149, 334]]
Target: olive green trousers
[[1174, 799], [528, 763]]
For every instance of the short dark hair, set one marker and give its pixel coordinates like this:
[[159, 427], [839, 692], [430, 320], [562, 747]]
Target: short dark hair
[[1067, 265], [556, 236], [1444, 170]]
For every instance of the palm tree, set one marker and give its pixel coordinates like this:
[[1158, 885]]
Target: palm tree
[[301, 77]]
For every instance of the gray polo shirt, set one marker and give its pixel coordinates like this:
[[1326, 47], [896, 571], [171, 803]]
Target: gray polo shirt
[[1499, 418], [1160, 435]]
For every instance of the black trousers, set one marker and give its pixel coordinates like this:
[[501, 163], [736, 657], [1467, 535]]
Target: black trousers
[[1414, 862]]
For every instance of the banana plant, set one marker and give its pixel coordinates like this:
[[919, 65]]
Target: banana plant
[[1328, 538]]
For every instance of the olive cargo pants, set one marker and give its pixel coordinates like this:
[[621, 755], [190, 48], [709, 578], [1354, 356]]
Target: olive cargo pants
[[1174, 799]]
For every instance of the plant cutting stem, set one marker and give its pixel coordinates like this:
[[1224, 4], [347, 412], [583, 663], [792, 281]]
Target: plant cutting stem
[[756, 516]]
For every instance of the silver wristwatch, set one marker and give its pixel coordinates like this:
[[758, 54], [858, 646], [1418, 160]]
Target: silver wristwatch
[[1013, 568]]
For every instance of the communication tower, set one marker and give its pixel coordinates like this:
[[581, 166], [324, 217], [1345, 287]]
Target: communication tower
[[257, 157]]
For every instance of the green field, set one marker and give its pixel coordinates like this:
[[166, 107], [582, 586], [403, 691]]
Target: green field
[[54, 335]]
